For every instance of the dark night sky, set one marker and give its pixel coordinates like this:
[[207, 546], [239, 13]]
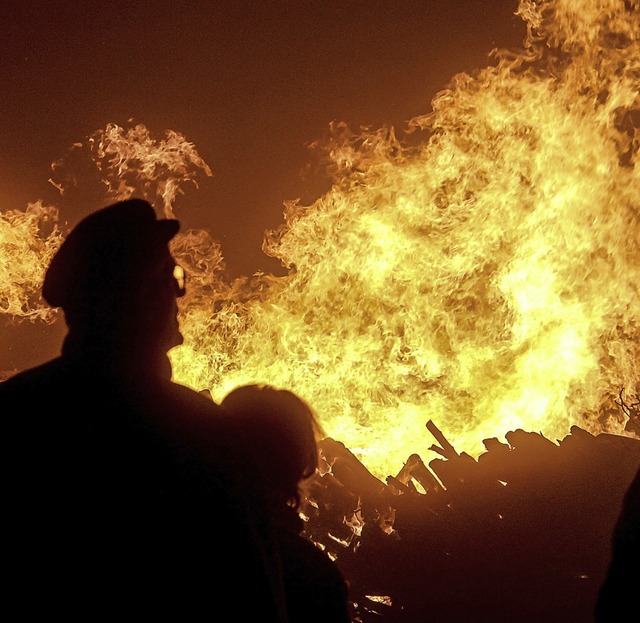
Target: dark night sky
[[249, 83]]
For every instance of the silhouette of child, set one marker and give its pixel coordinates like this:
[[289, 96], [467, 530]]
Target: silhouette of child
[[278, 432]]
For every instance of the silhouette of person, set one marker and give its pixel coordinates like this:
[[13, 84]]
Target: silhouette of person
[[121, 489], [279, 431], [618, 596]]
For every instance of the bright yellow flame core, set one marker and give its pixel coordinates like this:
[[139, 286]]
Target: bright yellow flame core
[[486, 279]]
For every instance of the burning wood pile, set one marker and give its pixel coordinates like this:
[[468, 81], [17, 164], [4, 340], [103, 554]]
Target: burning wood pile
[[522, 533]]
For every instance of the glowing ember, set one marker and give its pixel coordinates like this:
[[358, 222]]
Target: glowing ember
[[482, 274]]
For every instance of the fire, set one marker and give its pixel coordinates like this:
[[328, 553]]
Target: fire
[[485, 278], [481, 273], [28, 241], [133, 161]]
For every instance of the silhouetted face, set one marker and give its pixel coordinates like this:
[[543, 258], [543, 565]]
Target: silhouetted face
[[159, 307]]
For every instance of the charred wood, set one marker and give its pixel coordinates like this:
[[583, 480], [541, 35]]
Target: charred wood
[[521, 533]]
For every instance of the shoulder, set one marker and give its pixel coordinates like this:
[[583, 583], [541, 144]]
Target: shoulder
[[304, 559], [189, 397], [316, 589], [186, 416], [184, 409], [31, 379], [175, 403], [627, 529]]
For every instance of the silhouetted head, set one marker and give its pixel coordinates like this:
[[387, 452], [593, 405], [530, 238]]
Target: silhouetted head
[[281, 432], [114, 278]]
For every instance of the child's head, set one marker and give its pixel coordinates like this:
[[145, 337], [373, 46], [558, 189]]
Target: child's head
[[281, 431]]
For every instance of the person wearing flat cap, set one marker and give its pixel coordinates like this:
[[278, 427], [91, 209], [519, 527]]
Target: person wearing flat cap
[[120, 493], [114, 279]]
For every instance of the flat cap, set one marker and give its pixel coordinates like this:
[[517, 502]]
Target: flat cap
[[111, 248]]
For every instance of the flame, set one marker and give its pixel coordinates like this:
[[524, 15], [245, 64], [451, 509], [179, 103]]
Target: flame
[[482, 272], [28, 241], [485, 277], [133, 161]]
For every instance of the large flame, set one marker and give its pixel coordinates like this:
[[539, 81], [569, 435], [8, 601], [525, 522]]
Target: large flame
[[482, 273], [486, 278]]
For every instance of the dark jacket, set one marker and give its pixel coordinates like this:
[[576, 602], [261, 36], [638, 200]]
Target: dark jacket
[[316, 591], [120, 501]]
